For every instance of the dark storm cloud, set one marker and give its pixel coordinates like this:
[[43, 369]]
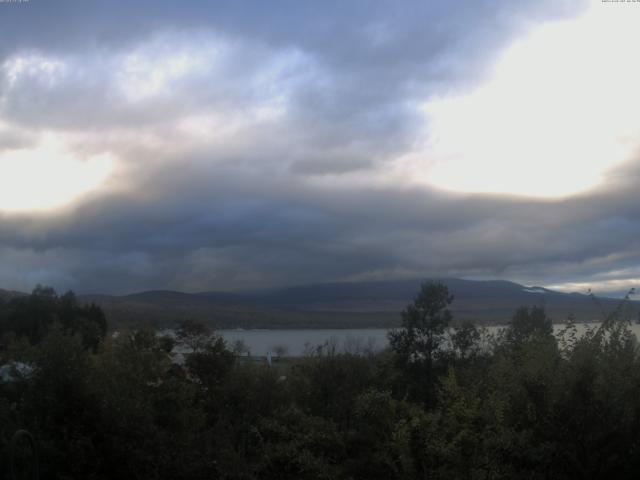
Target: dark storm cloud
[[221, 236], [292, 110]]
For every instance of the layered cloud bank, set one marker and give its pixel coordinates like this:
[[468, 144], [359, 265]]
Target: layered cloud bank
[[223, 145]]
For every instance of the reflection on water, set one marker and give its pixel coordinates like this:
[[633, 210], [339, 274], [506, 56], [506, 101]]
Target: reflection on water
[[355, 340]]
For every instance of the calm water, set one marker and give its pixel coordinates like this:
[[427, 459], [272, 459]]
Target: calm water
[[299, 341]]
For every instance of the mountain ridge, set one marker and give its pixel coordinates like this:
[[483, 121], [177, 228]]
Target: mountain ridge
[[350, 304], [340, 304]]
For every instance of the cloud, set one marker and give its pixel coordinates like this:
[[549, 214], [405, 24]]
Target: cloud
[[255, 146]]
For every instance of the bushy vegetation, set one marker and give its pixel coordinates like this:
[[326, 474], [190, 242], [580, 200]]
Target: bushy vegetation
[[441, 402]]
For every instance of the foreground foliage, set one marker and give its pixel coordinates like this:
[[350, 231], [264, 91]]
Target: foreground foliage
[[440, 403]]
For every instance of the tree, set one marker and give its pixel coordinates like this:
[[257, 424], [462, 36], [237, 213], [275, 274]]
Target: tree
[[211, 363], [529, 323], [193, 334], [240, 347], [418, 344], [34, 315], [424, 324], [464, 340]]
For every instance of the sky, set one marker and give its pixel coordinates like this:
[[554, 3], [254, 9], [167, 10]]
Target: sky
[[229, 145]]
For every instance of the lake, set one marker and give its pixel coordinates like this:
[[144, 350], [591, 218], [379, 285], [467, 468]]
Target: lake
[[356, 340]]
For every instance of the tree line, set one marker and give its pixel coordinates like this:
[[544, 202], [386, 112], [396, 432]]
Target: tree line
[[441, 401]]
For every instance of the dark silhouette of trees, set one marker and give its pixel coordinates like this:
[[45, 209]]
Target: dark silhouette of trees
[[529, 323], [417, 344], [424, 324], [33, 316], [441, 402], [465, 340], [193, 334]]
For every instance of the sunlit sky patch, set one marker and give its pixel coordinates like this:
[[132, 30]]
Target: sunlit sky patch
[[558, 111], [47, 176]]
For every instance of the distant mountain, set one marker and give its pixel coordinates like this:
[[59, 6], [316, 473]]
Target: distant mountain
[[343, 304], [9, 294]]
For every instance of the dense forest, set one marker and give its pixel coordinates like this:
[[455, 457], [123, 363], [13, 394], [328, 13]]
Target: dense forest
[[440, 402]]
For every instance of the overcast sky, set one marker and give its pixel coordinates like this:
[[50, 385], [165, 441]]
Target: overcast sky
[[220, 145]]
